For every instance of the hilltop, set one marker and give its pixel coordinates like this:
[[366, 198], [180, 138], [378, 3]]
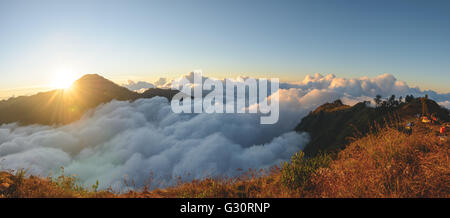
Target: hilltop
[[333, 125], [66, 106]]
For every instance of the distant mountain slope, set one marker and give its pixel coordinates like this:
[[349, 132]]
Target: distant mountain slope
[[332, 124], [152, 92], [65, 106]]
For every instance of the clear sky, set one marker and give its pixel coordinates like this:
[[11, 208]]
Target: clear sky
[[144, 40]]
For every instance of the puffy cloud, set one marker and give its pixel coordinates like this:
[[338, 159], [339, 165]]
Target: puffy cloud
[[363, 88], [354, 88], [139, 86], [160, 82], [445, 104]]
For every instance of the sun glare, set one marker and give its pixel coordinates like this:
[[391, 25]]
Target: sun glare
[[63, 79]]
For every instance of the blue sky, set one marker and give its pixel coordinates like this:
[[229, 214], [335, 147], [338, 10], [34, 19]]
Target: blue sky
[[144, 40]]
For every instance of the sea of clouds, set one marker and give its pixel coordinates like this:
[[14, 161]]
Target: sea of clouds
[[145, 142]]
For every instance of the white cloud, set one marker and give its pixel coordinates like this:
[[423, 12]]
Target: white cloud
[[139, 86], [364, 87], [160, 82], [445, 104]]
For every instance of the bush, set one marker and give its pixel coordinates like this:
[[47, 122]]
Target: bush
[[295, 174]]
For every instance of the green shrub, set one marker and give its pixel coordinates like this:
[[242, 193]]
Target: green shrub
[[295, 174]]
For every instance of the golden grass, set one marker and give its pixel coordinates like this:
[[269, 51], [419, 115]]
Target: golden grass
[[19, 186], [253, 184], [388, 164]]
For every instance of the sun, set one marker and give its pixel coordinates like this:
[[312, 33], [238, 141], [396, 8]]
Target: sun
[[63, 79]]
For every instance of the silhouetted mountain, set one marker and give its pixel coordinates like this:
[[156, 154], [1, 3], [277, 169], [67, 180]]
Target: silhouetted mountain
[[65, 106], [152, 92], [332, 125]]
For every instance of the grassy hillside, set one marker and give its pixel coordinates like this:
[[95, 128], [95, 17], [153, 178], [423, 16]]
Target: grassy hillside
[[386, 163], [333, 125]]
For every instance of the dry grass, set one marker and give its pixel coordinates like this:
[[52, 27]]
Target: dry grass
[[14, 184], [388, 164], [253, 184]]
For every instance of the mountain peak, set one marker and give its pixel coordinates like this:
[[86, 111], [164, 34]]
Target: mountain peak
[[96, 82], [91, 77]]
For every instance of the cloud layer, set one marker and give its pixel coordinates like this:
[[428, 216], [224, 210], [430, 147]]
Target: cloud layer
[[133, 140], [364, 88], [351, 90], [140, 86]]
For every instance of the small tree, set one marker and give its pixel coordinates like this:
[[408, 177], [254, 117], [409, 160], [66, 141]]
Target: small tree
[[391, 101], [377, 100], [409, 98]]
